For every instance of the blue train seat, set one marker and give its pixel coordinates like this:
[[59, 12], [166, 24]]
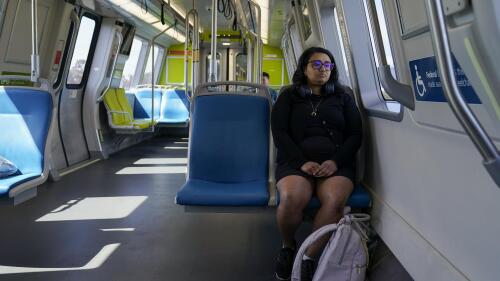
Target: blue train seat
[[25, 118], [174, 108], [228, 152], [143, 103], [360, 198]]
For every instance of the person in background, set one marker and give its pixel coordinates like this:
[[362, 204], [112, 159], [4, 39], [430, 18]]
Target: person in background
[[265, 82], [317, 130]]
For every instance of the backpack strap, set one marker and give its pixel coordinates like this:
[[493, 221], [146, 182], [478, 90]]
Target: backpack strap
[[310, 240], [354, 219]]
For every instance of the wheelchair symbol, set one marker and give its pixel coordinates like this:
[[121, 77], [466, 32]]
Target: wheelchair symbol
[[419, 83]]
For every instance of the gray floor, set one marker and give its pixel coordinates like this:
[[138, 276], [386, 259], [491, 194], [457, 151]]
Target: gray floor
[[167, 243], [163, 241]]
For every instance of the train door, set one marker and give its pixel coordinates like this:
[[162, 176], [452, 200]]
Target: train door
[[71, 98], [222, 65], [237, 65]]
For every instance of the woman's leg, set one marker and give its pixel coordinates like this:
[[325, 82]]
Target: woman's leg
[[333, 193], [295, 193]]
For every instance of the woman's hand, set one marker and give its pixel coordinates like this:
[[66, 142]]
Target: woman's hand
[[310, 168], [326, 169]]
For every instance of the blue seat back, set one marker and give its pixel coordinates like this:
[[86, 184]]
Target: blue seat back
[[181, 93], [142, 104], [174, 106], [25, 116], [229, 139]]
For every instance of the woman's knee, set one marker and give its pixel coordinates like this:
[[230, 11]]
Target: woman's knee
[[334, 201], [334, 194], [295, 194], [294, 199]]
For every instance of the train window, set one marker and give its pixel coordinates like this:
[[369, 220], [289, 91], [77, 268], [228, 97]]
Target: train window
[[295, 40], [378, 29], [130, 67], [291, 53], [146, 77], [289, 57], [81, 52], [241, 67], [306, 20], [339, 33]]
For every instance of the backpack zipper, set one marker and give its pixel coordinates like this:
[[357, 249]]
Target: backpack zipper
[[365, 248], [358, 268]]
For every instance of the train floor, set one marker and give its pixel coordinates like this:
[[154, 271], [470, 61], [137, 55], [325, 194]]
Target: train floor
[[117, 220]]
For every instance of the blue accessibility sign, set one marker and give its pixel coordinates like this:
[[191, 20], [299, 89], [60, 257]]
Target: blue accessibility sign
[[427, 83]]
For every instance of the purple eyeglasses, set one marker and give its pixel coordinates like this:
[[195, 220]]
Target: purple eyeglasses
[[317, 64]]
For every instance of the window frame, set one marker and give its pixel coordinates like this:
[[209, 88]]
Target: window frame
[[290, 63], [90, 55], [236, 64], [159, 58], [65, 56], [378, 48], [137, 63], [294, 31]]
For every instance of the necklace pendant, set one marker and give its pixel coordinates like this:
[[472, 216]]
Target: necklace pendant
[[313, 114]]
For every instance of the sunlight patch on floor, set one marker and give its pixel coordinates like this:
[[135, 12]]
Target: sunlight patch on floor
[[95, 208], [154, 170], [94, 263], [117, 229], [160, 161], [176, 147]]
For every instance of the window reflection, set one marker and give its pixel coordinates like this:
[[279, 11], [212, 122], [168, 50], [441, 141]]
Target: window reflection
[[241, 67], [209, 57]]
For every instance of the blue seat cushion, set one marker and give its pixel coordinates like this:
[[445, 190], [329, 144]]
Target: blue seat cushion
[[6, 168], [14, 180], [206, 193], [360, 198]]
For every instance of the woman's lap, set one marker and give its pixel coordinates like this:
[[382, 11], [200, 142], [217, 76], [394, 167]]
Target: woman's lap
[[284, 170]]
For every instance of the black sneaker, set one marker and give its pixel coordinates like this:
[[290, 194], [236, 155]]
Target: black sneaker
[[284, 263], [307, 269]]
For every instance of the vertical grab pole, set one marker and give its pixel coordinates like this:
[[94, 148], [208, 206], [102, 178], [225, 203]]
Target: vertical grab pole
[[35, 60], [250, 60], [195, 58], [195, 52], [186, 50], [258, 44], [213, 56]]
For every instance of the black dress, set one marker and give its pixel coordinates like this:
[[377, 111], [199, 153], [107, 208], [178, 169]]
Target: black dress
[[333, 133]]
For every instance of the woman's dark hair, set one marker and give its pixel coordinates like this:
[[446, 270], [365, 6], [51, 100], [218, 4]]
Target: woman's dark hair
[[300, 79]]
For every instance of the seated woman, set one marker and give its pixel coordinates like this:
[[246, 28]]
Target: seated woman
[[317, 130]]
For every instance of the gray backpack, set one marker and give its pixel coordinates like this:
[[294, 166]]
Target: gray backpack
[[345, 257]]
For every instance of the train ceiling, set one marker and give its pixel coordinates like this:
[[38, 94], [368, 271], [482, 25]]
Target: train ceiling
[[146, 15]]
